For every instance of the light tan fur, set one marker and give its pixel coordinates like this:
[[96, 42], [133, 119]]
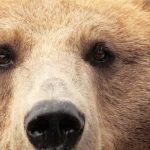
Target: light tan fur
[[51, 38]]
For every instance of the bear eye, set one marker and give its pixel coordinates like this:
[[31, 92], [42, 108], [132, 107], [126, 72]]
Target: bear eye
[[6, 57], [100, 55]]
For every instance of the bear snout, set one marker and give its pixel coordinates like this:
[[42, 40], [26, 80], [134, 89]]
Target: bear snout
[[53, 124]]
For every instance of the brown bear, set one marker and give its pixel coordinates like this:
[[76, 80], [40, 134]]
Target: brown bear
[[74, 74]]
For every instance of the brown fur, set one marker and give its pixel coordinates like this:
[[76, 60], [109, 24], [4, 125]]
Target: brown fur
[[50, 39]]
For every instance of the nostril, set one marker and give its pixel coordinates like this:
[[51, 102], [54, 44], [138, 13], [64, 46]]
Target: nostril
[[38, 127], [38, 131], [69, 125]]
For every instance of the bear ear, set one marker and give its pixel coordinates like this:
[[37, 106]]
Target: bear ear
[[144, 4]]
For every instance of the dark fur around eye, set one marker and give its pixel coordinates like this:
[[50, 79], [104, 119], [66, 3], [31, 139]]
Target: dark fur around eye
[[100, 55]]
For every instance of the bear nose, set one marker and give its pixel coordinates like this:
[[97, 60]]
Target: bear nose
[[54, 124]]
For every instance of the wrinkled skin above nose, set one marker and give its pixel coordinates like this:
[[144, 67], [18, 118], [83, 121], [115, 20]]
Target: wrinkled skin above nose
[[54, 125]]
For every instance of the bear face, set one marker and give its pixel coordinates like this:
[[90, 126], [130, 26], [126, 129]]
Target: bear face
[[92, 54]]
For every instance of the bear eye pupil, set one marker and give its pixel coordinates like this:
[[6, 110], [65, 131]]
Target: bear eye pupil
[[6, 57], [100, 53]]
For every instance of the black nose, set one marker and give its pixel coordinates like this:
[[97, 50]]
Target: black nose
[[54, 124]]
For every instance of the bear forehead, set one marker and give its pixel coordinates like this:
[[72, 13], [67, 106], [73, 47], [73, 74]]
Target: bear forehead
[[49, 14], [86, 19]]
